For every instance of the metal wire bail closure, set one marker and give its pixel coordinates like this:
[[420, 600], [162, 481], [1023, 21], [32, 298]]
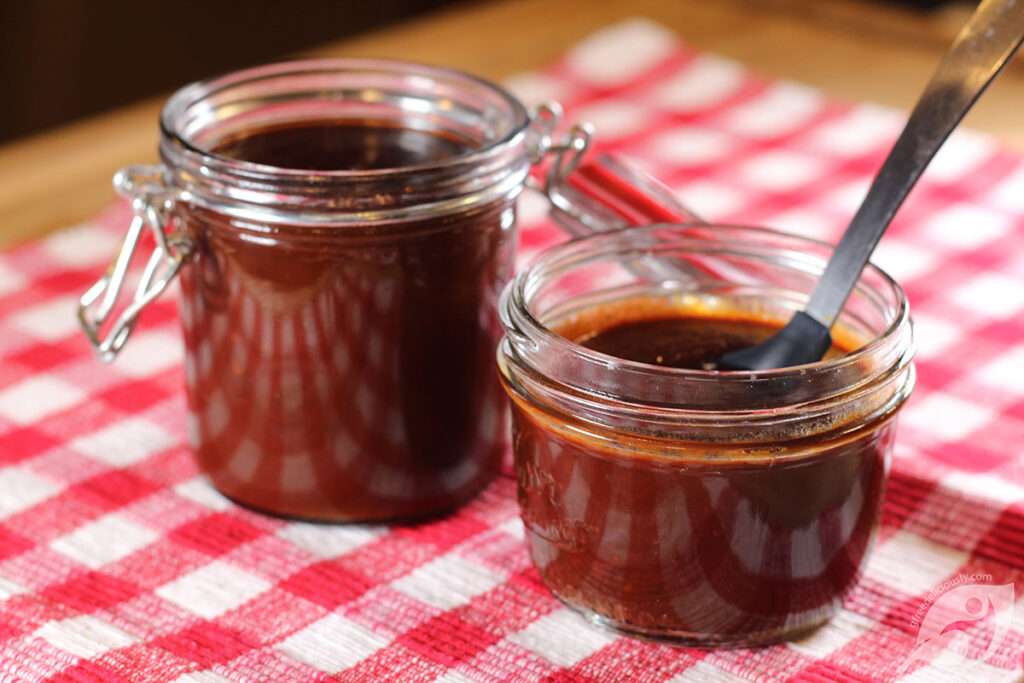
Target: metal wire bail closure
[[593, 192], [152, 201]]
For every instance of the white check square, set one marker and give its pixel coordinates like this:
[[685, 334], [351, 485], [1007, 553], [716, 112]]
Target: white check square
[[846, 197], [779, 170], [707, 81], [213, 589], [199, 490], [150, 352], [615, 118], [803, 222], [965, 226], [691, 146], [38, 397], [844, 627], [711, 200], [11, 280], [49, 321], [1009, 193], [993, 487], [865, 127], [993, 294], [22, 489], [332, 644], [1005, 372], [9, 588], [562, 637], [328, 541], [82, 245], [621, 53], [514, 528], [448, 581], [934, 335], [532, 208], [913, 564], [904, 261], [702, 672], [125, 442], [959, 156], [944, 417], [782, 109], [84, 636], [103, 541]]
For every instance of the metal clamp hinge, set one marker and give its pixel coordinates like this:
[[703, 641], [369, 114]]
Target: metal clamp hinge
[[152, 204], [575, 212], [544, 121]]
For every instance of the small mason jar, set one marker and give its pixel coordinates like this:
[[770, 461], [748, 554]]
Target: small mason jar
[[699, 507], [341, 231]]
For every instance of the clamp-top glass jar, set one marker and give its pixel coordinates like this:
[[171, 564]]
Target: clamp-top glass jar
[[342, 230]]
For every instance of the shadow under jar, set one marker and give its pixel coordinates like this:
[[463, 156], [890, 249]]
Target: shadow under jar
[[352, 224], [684, 505]]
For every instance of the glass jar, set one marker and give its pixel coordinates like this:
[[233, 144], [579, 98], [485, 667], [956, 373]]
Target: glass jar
[[338, 291], [699, 507]]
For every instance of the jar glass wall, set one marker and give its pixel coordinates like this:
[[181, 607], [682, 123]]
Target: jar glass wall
[[699, 507], [339, 309]]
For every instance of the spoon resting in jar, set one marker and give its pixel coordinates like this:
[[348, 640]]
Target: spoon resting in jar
[[983, 47]]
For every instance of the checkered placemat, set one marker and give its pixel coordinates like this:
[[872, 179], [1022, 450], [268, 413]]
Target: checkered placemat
[[119, 562]]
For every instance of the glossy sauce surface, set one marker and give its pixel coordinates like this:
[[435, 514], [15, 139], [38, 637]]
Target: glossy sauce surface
[[678, 342], [326, 146], [347, 375], [695, 541]]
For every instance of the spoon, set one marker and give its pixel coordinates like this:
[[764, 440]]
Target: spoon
[[980, 51]]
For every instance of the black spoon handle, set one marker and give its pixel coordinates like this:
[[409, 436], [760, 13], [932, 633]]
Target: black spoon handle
[[980, 51]]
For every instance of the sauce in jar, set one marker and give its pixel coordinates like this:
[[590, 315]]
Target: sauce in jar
[[341, 230], [685, 505], [682, 538], [347, 374], [688, 538], [345, 145]]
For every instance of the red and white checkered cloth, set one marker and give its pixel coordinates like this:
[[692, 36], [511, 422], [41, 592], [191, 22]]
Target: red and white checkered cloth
[[119, 562]]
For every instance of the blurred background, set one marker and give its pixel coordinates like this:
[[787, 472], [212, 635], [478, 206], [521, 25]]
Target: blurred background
[[63, 60], [66, 59], [83, 80]]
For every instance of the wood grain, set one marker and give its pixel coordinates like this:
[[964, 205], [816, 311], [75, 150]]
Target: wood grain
[[852, 49]]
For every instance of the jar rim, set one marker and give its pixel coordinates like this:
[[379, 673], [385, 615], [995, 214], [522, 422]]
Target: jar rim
[[525, 332], [197, 91]]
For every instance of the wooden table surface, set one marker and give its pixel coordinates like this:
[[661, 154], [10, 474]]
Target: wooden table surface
[[853, 49]]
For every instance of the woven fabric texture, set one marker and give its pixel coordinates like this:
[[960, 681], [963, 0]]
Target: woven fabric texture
[[118, 561]]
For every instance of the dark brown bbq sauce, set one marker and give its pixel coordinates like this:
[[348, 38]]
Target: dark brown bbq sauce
[[325, 146], [347, 375], [725, 539], [677, 342]]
